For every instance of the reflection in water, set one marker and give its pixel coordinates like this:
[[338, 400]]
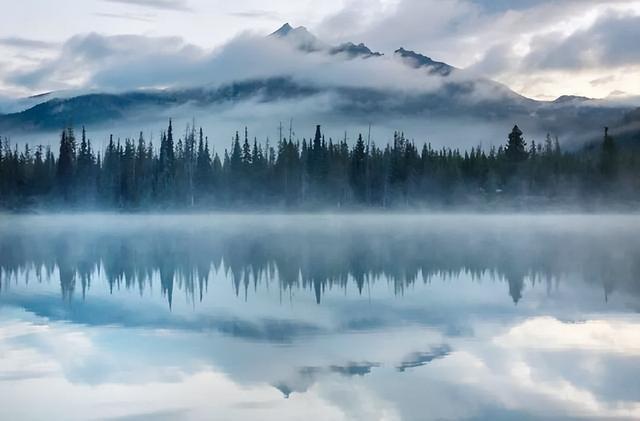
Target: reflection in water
[[318, 257], [349, 317], [421, 358]]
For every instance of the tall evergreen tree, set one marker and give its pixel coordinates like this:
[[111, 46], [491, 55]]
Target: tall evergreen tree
[[358, 170], [609, 157], [516, 147], [66, 164]]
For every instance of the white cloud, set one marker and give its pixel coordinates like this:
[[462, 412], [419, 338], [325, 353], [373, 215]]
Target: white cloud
[[592, 335], [179, 5], [514, 42], [127, 62], [498, 38]]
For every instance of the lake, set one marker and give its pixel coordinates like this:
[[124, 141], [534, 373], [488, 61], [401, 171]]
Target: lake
[[327, 317]]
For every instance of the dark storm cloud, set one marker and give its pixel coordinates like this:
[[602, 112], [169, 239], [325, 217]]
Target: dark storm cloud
[[612, 41], [179, 5]]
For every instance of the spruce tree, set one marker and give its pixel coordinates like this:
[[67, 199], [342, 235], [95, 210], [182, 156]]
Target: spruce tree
[[358, 170], [66, 163], [516, 146], [609, 157]]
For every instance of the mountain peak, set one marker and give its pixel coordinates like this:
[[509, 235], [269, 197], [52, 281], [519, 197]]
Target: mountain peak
[[353, 50], [283, 30], [418, 60], [299, 36], [288, 30]]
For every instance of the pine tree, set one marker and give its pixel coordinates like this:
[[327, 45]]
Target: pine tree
[[85, 169], [358, 170], [609, 157], [66, 164], [203, 167], [516, 147]]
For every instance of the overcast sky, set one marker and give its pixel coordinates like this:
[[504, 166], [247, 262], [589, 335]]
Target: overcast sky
[[540, 48]]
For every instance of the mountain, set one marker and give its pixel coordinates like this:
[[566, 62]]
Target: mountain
[[300, 37], [353, 50], [105, 109], [573, 99], [418, 60], [453, 97], [306, 41], [284, 30]]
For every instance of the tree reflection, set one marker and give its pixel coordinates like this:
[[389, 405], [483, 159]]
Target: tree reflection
[[316, 259]]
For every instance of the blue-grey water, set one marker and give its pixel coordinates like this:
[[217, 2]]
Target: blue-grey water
[[319, 317]]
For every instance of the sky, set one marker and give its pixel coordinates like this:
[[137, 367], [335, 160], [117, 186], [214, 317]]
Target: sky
[[540, 48]]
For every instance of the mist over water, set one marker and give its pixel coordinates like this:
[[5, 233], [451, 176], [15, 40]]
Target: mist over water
[[354, 316]]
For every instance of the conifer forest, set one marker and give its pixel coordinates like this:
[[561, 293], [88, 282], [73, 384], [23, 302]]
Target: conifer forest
[[187, 172]]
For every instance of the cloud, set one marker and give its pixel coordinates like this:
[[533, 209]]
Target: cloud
[[126, 16], [176, 5], [511, 41], [602, 80], [426, 25], [593, 335], [85, 61], [501, 6], [126, 62], [26, 43], [256, 14], [462, 31], [609, 42]]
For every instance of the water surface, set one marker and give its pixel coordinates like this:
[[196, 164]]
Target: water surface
[[400, 317]]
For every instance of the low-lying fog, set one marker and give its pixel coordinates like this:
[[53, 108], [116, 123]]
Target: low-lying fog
[[328, 248]]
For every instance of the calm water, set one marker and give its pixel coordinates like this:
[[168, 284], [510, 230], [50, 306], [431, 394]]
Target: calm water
[[319, 317]]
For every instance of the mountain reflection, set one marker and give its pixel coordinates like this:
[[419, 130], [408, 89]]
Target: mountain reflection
[[258, 253]]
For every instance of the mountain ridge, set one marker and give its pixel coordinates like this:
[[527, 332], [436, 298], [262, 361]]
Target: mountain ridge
[[457, 96]]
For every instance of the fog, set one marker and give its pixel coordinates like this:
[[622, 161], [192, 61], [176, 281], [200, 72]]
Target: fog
[[327, 248], [263, 119], [350, 316]]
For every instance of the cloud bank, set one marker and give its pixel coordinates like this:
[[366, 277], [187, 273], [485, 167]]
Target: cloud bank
[[179, 5], [126, 62], [534, 46]]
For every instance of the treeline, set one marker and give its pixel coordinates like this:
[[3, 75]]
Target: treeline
[[293, 173]]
